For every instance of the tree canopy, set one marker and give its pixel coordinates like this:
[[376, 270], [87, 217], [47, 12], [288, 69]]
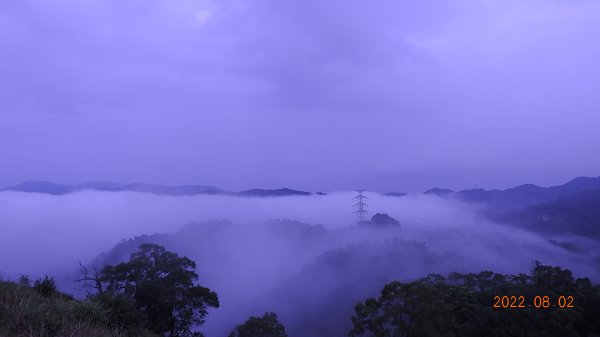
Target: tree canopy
[[462, 305], [155, 288], [266, 326]]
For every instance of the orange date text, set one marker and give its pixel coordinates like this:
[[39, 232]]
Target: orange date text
[[537, 302]]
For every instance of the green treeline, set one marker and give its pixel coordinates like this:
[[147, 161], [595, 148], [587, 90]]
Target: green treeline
[[155, 294], [463, 305], [41, 311]]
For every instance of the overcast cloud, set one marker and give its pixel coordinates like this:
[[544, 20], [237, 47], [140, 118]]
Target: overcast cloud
[[316, 95]]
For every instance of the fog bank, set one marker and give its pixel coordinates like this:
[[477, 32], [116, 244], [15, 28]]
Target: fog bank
[[321, 262]]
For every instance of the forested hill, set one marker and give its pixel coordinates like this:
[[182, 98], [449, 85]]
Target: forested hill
[[306, 272], [548, 302], [523, 195], [577, 213], [571, 208]]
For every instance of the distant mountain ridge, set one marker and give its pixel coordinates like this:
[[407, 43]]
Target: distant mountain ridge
[[527, 194], [257, 192], [46, 187], [577, 213], [573, 207], [531, 194]]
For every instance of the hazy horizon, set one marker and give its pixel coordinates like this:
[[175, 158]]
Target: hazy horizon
[[249, 261], [291, 186]]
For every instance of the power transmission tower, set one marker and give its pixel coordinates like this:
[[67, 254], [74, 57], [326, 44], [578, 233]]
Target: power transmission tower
[[360, 205]]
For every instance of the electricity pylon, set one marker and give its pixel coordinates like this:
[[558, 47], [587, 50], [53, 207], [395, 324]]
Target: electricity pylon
[[360, 205]]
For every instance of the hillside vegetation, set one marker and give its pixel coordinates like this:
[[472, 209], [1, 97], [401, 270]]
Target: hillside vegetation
[[42, 311], [154, 294]]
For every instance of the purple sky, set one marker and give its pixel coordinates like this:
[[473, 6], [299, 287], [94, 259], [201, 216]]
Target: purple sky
[[313, 94]]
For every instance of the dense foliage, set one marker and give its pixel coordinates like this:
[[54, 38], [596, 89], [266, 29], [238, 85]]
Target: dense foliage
[[155, 290], [462, 305], [266, 326], [41, 311], [153, 294]]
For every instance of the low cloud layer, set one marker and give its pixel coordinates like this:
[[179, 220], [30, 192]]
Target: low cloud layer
[[258, 265]]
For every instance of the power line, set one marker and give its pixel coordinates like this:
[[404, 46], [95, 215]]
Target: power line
[[404, 216]]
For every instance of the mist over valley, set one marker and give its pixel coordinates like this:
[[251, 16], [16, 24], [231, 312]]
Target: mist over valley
[[313, 168], [300, 255]]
